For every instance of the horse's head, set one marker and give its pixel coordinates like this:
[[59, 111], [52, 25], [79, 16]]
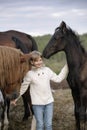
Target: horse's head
[[57, 41]]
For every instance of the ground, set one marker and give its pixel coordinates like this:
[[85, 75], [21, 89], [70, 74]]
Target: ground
[[63, 118]]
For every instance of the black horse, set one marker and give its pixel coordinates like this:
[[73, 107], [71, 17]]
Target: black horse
[[65, 39], [26, 44]]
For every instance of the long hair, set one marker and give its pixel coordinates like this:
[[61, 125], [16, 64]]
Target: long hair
[[11, 69]]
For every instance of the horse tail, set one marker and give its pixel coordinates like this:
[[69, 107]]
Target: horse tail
[[20, 45], [34, 44]]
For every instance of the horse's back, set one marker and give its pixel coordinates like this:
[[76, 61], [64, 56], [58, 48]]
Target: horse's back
[[20, 35], [6, 40], [12, 37]]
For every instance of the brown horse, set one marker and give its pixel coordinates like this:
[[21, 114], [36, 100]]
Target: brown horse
[[13, 66], [64, 39], [26, 44], [19, 40]]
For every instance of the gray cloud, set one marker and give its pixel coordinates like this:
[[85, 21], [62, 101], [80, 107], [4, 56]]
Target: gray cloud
[[38, 17]]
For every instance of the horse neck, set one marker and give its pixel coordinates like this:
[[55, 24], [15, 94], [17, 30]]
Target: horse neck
[[74, 55]]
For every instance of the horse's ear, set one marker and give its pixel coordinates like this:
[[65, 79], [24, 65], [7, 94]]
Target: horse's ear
[[63, 26], [24, 57]]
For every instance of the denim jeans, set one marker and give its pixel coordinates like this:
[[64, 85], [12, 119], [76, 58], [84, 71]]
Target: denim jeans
[[43, 115]]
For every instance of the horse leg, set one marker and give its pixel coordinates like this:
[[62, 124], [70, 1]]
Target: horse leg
[[77, 108], [83, 112], [30, 103], [5, 122], [26, 108], [5, 114], [1, 108], [77, 117], [33, 123], [82, 118], [26, 99], [4, 107], [8, 106]]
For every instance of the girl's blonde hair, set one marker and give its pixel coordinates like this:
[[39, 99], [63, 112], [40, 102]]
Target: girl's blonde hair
[[34, 56]]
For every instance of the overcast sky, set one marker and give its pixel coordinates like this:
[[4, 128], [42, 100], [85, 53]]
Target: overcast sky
[[39, 17]]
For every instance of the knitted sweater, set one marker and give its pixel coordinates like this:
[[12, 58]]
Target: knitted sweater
[[39, 81]]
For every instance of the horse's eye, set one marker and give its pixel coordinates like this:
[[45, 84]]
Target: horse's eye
[[57, 37]]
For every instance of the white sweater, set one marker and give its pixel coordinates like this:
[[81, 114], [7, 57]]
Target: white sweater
[[39, 81]]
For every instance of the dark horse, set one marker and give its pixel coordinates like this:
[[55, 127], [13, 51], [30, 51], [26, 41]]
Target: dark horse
[[64, 39], [26, 44]]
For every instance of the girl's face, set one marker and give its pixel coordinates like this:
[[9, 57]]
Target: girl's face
[[38, 63]]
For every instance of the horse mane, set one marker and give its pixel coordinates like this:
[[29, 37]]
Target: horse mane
[[77, 39], [11, 69]]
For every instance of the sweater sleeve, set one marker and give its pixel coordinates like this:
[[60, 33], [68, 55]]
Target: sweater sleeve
[[25, 84], [61, 76]]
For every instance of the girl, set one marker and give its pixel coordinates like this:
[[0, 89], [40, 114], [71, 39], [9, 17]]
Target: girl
[[41, 95]]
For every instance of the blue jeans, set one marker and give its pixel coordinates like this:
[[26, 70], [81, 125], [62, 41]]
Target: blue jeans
[[43, 115]]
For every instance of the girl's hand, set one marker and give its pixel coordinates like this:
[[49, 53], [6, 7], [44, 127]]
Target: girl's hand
[[13, 102]]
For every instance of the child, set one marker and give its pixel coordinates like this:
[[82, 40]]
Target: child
[[41, 95]]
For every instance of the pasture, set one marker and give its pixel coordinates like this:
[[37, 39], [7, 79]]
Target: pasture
[[63, 106], [63, 118]]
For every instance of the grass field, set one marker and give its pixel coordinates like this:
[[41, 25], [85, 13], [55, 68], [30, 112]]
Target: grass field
[[63, 118]]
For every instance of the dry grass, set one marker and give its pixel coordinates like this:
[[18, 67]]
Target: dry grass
[[63, 110], [63, 113]]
